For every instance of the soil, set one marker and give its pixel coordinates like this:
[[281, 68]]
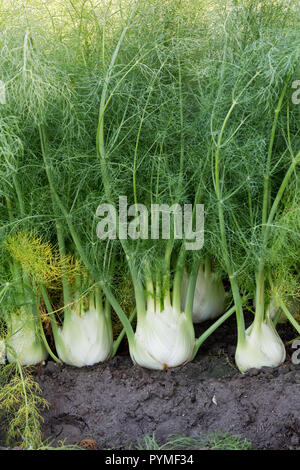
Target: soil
[[114, 404]]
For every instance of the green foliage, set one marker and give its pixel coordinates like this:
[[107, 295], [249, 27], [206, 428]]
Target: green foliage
[[170, 87], [216, 441], [20, 406]]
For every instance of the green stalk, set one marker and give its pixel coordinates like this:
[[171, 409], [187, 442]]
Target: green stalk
[[107, 311], [188, 308], [157, 291], [232, 277], [138, 290], [62, 251], [279, 195], [99, 302], [123, 317], [259, 314], [44, 339], [9, 208], [289, 316], [16, 268], [239, 309], [19, 195], [207, 266], [260, 296], [259, 310], [219, 193], [118, 341], [166, 273], [150, 292], [170, 244], [49, 308], [100, 145], [176, 301], [276, 318], [212, 328], [3, 290], [267, 185], [100, 131]]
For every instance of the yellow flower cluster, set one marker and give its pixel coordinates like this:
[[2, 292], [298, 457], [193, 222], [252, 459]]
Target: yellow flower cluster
[[39, 259]]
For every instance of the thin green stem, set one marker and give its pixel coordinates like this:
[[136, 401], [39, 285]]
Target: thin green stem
[[62, 251], [189, 301], [44, 339], [279, 195], [24, 391], [100, 145], [239, 309], [3, 290], [218, 189], [117, 342], [212, 328], [267, 184], [150, 292], [166, 272], [48, 307], [19, 195], [232, 277], [260, 296], [276, 318], [123, 317], [176, 301]]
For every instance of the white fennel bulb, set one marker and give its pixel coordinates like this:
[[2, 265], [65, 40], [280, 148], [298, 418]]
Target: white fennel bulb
[[163, 339], [23, 342], [262, 347], [84, 340], [209, 295]]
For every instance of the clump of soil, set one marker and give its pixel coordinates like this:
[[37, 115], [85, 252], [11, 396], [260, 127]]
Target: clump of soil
[[115, 403]]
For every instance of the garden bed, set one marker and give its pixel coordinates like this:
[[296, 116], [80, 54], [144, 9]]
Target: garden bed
[[149, 173], [116, 403]]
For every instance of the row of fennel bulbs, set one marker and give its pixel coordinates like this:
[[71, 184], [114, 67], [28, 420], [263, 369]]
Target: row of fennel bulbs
[[189, 121], [82, 329]]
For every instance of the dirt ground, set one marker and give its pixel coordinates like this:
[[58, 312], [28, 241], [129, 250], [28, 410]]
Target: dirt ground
[[116, 403]]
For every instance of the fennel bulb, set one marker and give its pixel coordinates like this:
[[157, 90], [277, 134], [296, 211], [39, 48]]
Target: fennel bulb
[[209, 295], [163, 339], [262, 347], [84, 340], [23, 342]]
